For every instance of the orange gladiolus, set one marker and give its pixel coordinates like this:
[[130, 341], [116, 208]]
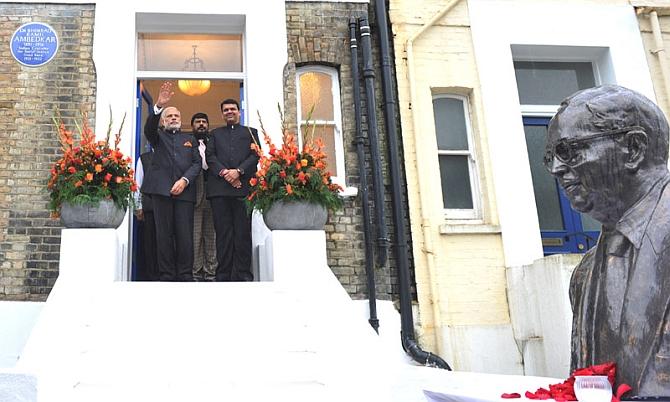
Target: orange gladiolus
[[98, 168], [89, 176], [302, 177], [289, 189]]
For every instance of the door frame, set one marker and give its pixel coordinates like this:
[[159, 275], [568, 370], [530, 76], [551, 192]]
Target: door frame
[[574, 239]]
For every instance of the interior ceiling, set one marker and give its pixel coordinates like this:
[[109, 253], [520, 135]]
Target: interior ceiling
[[207, 103]]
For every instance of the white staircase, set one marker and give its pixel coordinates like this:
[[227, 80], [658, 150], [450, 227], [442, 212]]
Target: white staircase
[[299, 338]]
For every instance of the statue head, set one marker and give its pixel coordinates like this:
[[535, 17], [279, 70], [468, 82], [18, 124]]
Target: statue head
[[606, 146]]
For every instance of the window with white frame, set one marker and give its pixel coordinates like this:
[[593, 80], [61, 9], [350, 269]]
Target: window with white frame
[[458, 167], [320, 115]]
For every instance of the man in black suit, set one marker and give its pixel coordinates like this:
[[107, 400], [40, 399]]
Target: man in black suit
[[147, 257], [232, 163], [176, 163]]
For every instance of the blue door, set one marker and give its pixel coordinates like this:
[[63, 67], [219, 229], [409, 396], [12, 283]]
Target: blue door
[[563, 229]]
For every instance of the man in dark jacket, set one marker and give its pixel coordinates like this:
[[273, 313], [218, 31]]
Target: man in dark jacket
[[147, 258], [232, 163], [175, 164]]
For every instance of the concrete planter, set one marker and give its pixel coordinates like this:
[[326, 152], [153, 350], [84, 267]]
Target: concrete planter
[[295, 215], [104, 215]]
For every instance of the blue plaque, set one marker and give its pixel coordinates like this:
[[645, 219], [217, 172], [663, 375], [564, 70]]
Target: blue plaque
[[34, 44]]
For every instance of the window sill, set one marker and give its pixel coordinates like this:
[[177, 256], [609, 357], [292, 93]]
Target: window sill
[[468, 228], [349, 192]]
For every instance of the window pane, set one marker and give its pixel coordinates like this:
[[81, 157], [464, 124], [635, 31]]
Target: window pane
[[175, 52], [450, 125], [316, 90], [548, 83], [456, 191], [544, 185], [327, 135], [589, 224]]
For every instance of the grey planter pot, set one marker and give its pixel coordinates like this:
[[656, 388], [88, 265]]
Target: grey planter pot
[[104, 215], [295, 215]]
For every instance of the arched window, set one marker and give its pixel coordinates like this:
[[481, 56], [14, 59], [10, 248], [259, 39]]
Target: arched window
[[458, 165], [320, 115]]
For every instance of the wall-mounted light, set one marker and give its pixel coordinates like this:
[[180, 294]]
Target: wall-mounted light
[[194, 87]]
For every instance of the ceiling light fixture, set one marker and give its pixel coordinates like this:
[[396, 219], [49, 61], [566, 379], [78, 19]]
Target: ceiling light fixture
[[194, 87]]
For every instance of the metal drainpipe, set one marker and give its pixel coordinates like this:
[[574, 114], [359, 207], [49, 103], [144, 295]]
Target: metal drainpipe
[[360, 152], [660, 52], [408, 338], [377, 181], [425, 181]]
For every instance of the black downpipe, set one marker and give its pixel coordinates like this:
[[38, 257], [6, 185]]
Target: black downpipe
[[377, 181], [406, 320], [360, 152]]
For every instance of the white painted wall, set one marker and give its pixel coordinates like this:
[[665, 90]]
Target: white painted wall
[[496, 26]]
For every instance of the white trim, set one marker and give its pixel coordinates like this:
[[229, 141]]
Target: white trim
[[328, 1], [475, 212], [539, 110], [339, 176], [194, 75]]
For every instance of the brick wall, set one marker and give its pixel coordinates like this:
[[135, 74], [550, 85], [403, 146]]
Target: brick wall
[[318, 34], [29, 238]]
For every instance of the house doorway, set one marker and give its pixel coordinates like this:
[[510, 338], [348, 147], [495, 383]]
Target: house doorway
[[188, 105]]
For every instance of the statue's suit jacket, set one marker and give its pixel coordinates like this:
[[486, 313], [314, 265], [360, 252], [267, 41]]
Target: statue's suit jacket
[[639, 343]]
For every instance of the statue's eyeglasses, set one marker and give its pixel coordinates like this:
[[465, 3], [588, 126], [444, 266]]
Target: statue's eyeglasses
[[565, 149]]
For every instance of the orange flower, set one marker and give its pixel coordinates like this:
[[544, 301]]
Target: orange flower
[[98, 168], [253, 181], [71, 169], [118, 179], [89, 176], [282, 174], [108, 177], [289, 189], [303, 162], [78, 184]]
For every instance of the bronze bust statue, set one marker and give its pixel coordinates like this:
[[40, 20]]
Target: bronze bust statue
[[608, 148]]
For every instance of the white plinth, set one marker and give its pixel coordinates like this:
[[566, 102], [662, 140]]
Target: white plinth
[[89, 262], [89, 256]]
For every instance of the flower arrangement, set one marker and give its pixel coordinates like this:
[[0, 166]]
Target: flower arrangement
[[565, 391], [291, 174], [91, 170]]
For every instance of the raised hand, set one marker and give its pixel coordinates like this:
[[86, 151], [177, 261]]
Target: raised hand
[[165, 94]]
